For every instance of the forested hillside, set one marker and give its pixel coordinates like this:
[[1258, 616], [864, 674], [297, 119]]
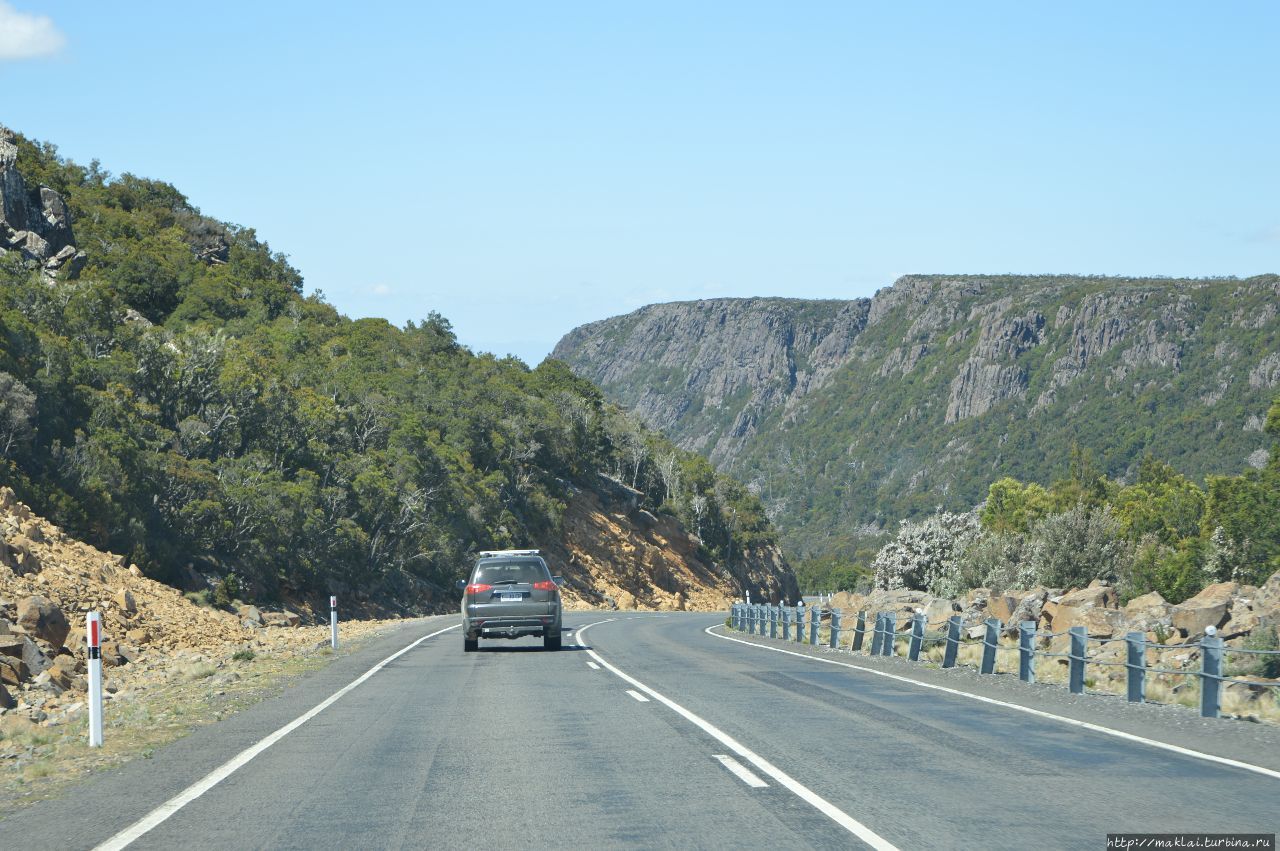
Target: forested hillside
[[848, 416], [167, 392]]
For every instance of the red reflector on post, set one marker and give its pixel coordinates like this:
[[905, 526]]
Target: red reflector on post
[[477, 588]]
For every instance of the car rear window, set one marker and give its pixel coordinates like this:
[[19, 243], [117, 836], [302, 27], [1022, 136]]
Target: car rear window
[[496, 572]]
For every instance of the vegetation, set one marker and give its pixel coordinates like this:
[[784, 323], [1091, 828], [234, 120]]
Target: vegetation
[[183, 403], [1161, 533]]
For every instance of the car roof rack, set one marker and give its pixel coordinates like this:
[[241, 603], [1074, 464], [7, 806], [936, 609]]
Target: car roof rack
[[496, 553]]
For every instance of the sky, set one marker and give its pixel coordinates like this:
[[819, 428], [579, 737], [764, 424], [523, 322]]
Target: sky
[[523, 168]]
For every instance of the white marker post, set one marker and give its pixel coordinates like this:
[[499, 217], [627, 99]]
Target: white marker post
[[748, 597], [93, 634], [333, 622]]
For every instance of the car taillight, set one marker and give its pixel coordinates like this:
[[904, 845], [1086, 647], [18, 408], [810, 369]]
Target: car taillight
[[544, 586], [477, 588]]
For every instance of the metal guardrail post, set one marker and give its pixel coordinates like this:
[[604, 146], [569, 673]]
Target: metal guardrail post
[[786, 624], [1136, 665], [835, 629], [890, 628], [815, 616], [917, 637], [859, 631], [773, 621], [877, 633], [799, 623], [1027, 651], [990, 642], [1079, 645], [953, 642], [757, 620], [1210, 675]]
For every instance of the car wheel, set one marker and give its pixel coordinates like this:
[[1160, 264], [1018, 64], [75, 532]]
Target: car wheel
[[470, 645], [551, 642]]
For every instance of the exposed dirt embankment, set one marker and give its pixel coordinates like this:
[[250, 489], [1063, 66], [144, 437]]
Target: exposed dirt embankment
[[48, 581], [614, 554]]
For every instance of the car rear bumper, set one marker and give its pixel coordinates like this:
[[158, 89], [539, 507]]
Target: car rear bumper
[[510, 627]]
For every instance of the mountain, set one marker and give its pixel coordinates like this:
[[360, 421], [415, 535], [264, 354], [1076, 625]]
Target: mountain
[[846, 416], [167, 393]]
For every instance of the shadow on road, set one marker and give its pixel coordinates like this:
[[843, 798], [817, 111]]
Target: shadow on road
[[489, 648]]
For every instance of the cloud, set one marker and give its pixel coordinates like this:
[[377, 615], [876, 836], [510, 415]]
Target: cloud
[[27, 36], [381, 289]]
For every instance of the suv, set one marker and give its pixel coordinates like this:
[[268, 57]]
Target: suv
[[511, 594]]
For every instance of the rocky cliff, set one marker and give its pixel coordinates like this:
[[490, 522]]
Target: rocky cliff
[[34, 220], [847, 414]]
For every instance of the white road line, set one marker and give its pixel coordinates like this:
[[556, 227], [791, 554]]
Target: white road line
[[741, 770], [157, 816], [779, 776], [593, 666], [638, 696], [1097, 728]]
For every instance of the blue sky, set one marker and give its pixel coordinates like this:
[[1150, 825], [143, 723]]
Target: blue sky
[[523, 168]]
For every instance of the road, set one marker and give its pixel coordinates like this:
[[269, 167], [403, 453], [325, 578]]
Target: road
[[706, 743]]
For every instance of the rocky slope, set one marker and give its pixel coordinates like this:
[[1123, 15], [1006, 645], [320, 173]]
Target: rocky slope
[[616, 554], [848, 414]]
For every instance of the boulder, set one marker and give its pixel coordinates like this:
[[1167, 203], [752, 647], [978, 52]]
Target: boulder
[[41, 617], [138, 636], [287, 619], [6, 699], [13, 671], [1098, 622], [4, 627], [1210, 607], [938, 611], [1268, 595], [250, 615], [1002, 606], [1095, 596], [1147, 612], [125, 601]]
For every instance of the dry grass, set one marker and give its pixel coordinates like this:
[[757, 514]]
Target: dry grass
[[39, 762]]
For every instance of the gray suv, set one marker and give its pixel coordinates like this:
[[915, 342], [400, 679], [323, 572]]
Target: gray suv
[[511, 594]]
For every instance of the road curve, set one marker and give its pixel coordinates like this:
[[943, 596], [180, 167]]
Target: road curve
[[660, 736]]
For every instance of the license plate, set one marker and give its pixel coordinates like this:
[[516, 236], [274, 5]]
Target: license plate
[[511, 598]]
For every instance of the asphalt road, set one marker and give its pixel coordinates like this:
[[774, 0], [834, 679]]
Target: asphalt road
[[733, 746]]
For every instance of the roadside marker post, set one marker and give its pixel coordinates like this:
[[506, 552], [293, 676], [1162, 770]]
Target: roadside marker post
[[93, 634], [333, 622]]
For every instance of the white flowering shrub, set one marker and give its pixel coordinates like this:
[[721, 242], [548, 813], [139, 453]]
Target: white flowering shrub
[[928, 554]]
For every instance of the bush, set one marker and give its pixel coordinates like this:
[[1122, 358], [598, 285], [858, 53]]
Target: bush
[[928, 555], [1071, 549], [226, 591]]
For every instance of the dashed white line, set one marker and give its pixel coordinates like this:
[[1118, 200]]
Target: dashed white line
[[593, 666], [779, 776], [638, 696], [157, 816], [1097, 728], [741, 770]]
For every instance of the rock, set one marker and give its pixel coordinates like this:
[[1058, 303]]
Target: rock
[[1147, 612], [1208, 608], [41, 617], [111, 656], [134, 570], [1002, 606], [125, 601], [1098, 622], [1268, 595], [13, 671], [138, 636], [287, 619], [939, 611], [250, 613], [4, 627], [1095, 596]]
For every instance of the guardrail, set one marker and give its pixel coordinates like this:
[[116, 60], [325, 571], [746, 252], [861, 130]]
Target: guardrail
[[756, 619]]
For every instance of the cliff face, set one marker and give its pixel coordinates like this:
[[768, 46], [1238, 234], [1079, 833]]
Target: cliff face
[[846, 415], [34, 220]]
